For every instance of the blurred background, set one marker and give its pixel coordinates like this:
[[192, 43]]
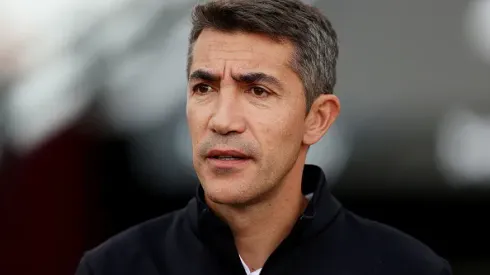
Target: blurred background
[[93, 136]]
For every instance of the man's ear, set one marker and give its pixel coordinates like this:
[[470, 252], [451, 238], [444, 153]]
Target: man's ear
[[322, 114]]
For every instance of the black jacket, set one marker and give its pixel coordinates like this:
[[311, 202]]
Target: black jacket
[[327, 239]]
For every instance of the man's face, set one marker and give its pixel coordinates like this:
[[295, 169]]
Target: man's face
[[246, 114]]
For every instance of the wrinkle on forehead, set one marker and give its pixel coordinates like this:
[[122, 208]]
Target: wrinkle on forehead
[[225, 54], [248, 55], [241, 47], [228, 46], [242, 60]]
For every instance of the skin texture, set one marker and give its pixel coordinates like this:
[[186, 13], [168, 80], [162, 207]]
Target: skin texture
[[264, 118]]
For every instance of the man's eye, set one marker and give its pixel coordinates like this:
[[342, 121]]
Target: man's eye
[[202, 89], [259, 91]]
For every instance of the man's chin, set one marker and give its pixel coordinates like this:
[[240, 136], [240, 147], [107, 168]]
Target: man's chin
[[230, 187], [226, 197]]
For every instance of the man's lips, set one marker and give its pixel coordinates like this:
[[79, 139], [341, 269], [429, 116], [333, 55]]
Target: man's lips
[[228, 159], [227, 154]]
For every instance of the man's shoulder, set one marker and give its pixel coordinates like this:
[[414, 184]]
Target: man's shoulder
[[136, 242], [393, 247]]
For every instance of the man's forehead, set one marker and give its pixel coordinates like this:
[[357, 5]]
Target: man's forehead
[[216, 52], [227, 46], [212, 47], [219, 66]]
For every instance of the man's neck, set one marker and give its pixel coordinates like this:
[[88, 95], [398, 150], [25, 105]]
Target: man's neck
[[260, 228]]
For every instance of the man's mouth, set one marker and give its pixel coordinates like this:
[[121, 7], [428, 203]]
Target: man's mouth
[[227, 155], [227, 158]]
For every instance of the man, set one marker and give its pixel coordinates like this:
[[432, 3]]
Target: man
[[261, 76]]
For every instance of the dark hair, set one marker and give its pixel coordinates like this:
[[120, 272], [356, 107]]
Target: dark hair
[[311, 33]]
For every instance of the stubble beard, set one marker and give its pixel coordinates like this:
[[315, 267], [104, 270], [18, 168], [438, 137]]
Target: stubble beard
[[272, 181]]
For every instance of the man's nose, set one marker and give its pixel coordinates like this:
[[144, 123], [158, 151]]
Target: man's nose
[[228, 116]]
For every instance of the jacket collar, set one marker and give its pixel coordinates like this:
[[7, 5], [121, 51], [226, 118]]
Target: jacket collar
[[320, 212]]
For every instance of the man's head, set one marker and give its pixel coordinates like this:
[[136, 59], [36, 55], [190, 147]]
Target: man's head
[[261, 77], [315, 42]]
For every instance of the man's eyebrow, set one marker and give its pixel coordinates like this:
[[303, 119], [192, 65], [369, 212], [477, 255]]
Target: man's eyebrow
[[256, 77], [249, 78], [203, 75]]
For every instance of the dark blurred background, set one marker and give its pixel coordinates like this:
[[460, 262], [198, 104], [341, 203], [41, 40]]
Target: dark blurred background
[[93, 136]]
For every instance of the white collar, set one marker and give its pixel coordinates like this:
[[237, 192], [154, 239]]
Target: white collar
[[247, 270]]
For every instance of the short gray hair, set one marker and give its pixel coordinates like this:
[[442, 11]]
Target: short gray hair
[[311, 33]]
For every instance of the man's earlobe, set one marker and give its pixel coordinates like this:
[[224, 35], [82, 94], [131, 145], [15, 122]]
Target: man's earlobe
[[323, 113]]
